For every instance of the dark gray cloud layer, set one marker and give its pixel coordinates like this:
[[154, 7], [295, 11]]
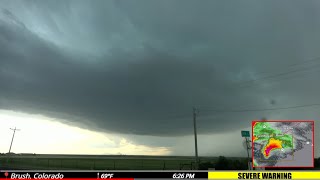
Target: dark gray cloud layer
[[139, 67]]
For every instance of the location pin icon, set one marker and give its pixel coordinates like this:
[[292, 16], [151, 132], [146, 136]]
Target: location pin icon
[[6, 174]]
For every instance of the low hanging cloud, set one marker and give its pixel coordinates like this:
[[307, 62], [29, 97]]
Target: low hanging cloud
[[139, 68]]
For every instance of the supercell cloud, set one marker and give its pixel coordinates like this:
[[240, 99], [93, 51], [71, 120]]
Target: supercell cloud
[[139, 67]]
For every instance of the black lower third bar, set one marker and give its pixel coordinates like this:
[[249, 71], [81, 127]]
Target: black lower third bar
[[102, 175]]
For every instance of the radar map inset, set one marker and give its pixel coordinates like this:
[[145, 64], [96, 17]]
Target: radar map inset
[[283, 143]]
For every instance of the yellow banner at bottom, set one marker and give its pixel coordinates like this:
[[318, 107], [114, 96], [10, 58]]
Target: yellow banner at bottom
[[264, 175]]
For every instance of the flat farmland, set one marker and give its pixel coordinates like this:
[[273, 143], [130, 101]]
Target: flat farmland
[[99, 162]]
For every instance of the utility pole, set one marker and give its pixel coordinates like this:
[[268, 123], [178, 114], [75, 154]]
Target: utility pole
[[195, 112], [14, 131], [246, 135], [248, 148]]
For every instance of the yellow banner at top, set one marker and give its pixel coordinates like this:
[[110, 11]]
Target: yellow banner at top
[[264, 175]]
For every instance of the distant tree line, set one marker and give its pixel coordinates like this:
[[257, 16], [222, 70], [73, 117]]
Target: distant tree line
[[224, 163]]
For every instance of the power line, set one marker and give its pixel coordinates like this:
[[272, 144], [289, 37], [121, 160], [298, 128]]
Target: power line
[[272, 76], [265, 109], [305, 62], [294, 77], [279, 74], [278, 80], [294, 65]]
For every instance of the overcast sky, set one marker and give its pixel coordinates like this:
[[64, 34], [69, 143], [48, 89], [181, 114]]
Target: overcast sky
[[133, 70]]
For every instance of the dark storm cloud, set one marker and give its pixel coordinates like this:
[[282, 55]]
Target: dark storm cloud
[[139, 67]]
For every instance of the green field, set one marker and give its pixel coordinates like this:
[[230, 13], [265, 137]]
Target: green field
[[95, 162]]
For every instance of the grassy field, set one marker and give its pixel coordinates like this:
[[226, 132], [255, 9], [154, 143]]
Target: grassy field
[[96, 162]]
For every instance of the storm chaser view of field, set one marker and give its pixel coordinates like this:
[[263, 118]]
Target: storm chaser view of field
[[282, 143]]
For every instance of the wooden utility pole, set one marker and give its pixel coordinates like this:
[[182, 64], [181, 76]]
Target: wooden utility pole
[[195, 112], [14, 131], [248, 148]]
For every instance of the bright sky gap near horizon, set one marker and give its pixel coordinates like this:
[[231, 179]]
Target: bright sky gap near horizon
[[121, 77]]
